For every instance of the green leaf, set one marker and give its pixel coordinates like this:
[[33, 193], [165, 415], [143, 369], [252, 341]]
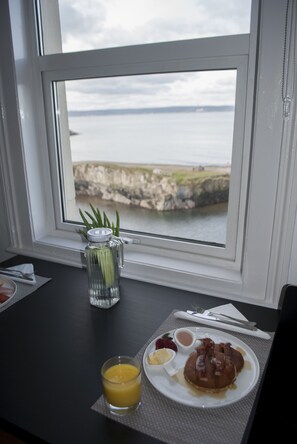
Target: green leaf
[[117, 229], [96, 220], [97, 215], [87, 224], [94, 223], [106, 220]]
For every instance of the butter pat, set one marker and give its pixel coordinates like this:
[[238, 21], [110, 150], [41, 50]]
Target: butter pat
[[161, 356]]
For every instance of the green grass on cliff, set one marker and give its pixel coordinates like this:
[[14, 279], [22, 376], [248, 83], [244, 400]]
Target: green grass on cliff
[[180, 175], [126, 167], [195, 177]]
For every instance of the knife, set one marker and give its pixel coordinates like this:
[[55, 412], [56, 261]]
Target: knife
[[223, 321]]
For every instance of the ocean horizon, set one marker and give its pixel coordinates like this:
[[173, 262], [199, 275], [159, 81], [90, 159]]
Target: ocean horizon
[[151, 110]]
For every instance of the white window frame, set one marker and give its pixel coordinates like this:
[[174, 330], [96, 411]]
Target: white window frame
[[237, 62], [257, 267]]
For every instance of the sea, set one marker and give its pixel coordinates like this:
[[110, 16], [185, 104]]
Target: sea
[[195, 139]]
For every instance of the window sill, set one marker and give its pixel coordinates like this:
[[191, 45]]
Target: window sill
[[173, 272]]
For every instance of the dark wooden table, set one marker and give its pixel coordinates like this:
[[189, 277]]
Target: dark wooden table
[[53, 344]]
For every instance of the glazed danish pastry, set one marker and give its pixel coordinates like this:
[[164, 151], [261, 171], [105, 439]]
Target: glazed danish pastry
[[213, 367]]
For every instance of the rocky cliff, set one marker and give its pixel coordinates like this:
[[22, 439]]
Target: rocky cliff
[[161, 188]]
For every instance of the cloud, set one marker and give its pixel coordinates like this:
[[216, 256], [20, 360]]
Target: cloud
[[202, 88], [91, 24]]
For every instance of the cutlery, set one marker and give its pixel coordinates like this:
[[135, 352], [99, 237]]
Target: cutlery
[[201, 310], [16, 273], [222, 321]]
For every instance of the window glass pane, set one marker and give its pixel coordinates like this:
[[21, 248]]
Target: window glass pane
[[156, 147], [95, 24]]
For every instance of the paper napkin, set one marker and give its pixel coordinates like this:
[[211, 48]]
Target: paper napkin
[[25, 268], [229, 310]]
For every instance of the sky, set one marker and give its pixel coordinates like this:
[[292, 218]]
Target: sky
[[94, 24]]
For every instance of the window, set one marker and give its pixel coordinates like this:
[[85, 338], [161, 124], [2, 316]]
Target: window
[[240, 264], [111, 23], [165, 168], [159, 138]]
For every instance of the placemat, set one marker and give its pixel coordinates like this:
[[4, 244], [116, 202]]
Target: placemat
[[24, 290], [175, 423]]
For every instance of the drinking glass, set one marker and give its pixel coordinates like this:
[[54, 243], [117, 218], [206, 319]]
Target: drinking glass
[[121, 379]]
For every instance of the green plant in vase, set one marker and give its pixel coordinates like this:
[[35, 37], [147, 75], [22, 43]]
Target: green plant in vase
[[104, 258], [107, 258], [97, 221]]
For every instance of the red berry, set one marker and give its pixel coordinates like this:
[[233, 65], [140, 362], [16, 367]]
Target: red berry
[[170, 344], [160, 343], [166, 341]]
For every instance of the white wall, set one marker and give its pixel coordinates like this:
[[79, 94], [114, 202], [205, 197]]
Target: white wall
[[293, 264], [4, 233]]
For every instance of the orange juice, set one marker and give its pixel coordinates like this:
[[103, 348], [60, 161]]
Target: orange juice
[[122, 385]]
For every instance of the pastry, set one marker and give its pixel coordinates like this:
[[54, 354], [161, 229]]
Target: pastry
[[213, 367]]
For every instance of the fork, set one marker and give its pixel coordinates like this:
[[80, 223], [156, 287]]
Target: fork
[[201, 310], [16, 273]]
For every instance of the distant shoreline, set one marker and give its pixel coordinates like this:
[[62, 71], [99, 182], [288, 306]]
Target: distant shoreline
[[152, 110]]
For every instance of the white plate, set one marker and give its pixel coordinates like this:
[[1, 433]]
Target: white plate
[[5, 282], [177, 389]]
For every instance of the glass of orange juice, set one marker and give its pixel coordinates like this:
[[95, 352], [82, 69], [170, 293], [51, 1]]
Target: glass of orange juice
[[121, 379]]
